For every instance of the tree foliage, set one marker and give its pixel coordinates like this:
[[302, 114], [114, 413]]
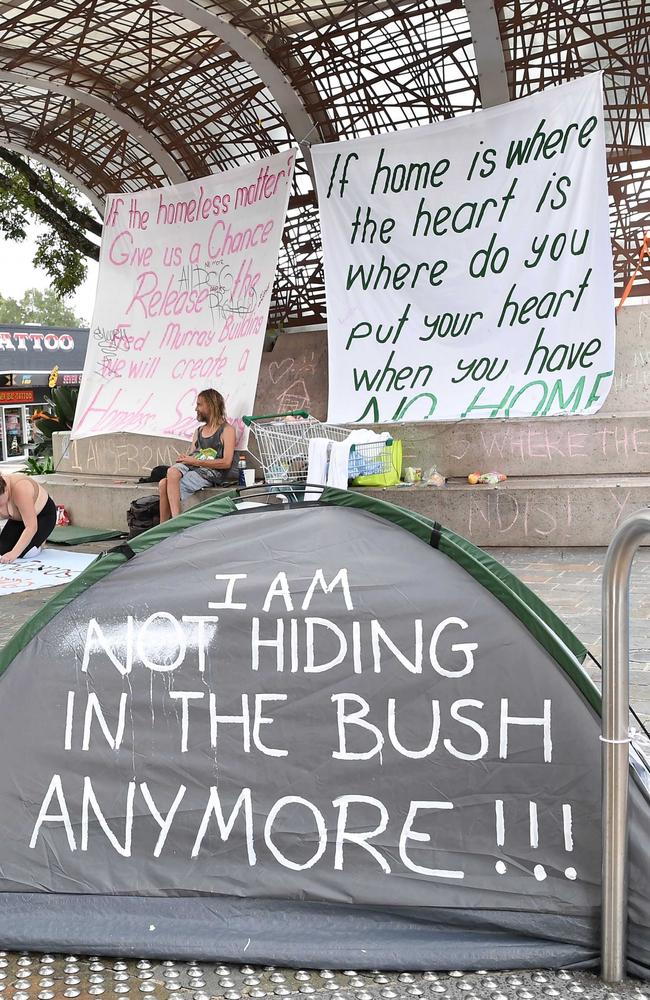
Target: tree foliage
[[31, 192], [38, 307]]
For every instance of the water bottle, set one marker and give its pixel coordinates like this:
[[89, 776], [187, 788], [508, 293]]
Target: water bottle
[[241, 468]]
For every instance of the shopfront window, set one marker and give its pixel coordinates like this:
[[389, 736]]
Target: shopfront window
[[15, 431]]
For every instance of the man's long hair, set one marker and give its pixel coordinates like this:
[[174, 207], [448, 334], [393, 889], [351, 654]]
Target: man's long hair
[[216, 405], [3, 484]]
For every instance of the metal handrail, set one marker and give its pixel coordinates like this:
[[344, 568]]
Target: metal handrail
[[615, 740]]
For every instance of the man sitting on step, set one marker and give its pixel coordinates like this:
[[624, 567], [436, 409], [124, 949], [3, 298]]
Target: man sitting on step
[[209, 460]]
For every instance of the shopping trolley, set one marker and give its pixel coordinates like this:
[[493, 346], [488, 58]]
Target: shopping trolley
[[283, 444]]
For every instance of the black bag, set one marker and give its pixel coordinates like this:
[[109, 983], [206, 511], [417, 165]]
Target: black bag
[[144, 513], [158, 473]]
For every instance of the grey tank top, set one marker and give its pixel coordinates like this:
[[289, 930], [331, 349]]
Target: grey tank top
[[211, 441]]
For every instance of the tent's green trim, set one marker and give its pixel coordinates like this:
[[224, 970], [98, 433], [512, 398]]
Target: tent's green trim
[[549, 630], [433, 532], [387, 511], [523, 592], [543, 624]]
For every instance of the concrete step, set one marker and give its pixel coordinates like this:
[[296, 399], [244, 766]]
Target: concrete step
[[555, 446], [119, 455], [95, 501], [530, 511], [549, 446], [523, 511], [101, 501]]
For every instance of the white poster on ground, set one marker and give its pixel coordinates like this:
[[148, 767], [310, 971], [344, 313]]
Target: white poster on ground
[[185, 280], [50, 568], [468, 264]]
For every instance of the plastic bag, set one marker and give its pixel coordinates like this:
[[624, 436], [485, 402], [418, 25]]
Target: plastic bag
[[62, 516]]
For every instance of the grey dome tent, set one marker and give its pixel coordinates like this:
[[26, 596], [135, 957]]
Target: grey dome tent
[[319, 732]]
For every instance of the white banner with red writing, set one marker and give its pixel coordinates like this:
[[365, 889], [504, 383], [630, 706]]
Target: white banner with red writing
[[185, 280], [468, 264]]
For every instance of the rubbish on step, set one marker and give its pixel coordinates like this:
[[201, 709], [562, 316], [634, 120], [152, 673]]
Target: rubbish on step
[[486, 478]]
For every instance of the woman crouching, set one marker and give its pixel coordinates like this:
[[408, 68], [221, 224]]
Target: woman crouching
[[30, 513]]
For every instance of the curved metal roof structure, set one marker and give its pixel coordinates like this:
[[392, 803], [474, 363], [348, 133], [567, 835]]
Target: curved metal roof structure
[[120, 95]]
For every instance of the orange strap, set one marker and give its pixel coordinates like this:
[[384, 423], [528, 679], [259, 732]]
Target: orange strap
[[628, 287]]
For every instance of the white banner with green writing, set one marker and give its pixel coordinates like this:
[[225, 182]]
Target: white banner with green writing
[[468, 264]]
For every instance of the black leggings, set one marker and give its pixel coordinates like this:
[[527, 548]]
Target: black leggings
[[14, 529]]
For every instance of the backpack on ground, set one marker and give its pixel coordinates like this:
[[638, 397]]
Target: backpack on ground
[[144, 513]]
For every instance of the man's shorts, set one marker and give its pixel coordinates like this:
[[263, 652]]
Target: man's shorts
[[193, 480]]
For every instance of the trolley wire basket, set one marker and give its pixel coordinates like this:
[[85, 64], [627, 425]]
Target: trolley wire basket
[[283, 444]]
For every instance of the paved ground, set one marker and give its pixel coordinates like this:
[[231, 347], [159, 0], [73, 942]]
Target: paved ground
[[569, 581], [49, 978]]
